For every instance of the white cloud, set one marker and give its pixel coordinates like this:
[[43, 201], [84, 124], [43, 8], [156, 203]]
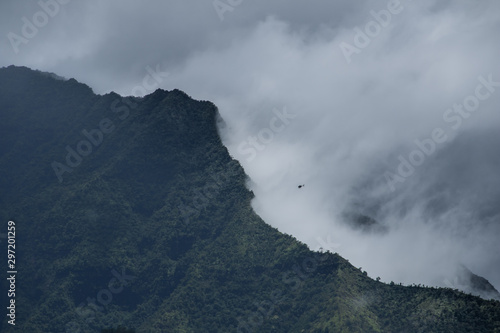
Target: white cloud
[[352, 120]]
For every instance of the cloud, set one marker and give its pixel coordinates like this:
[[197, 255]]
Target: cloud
[[352, 120]]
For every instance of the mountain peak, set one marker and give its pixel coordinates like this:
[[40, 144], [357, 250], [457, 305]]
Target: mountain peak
[[14, 79], [131, 211]]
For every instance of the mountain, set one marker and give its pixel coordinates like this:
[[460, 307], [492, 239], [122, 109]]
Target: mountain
[[130, 211]]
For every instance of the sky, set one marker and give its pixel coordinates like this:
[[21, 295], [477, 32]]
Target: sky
[[387, 111]]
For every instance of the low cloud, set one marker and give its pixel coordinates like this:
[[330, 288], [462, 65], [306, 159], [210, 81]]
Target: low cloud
[[352, 119]]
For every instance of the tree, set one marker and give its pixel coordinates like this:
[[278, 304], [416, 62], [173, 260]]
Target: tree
[[119, 329]]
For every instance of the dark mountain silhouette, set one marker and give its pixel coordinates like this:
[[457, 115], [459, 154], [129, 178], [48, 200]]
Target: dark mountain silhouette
[[130, 213]]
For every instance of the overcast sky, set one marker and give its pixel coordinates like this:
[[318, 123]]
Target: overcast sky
[[383, 108]]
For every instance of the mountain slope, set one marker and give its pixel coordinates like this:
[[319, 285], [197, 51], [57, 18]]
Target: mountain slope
[[131, 211]]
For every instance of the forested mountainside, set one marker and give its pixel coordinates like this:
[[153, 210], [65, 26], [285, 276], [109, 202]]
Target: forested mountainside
[[130, 211]]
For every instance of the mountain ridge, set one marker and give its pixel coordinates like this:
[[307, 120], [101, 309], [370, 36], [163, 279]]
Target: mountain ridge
[[153, 229]]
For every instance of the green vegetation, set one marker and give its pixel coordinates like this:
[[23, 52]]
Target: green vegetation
[[119, 329], [154, 230]]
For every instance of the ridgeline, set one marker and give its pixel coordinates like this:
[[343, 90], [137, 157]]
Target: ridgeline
[[130, 211]]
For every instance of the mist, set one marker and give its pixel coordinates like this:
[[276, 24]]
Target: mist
[[347, 126], [391, 122]]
